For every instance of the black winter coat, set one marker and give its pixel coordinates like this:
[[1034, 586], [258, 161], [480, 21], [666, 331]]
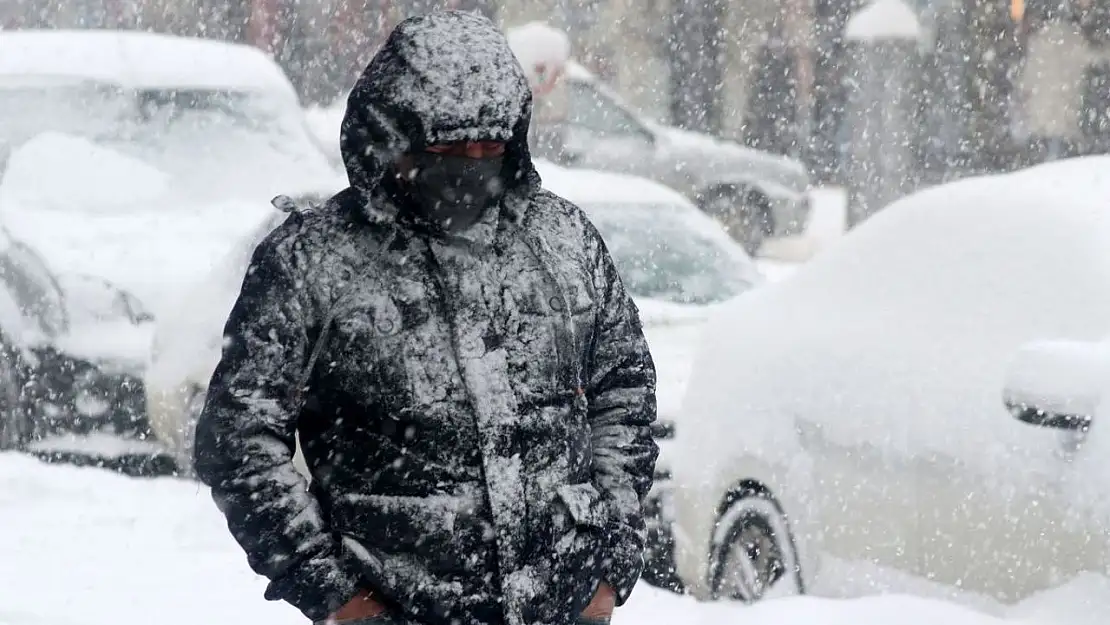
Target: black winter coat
[[477, 421]]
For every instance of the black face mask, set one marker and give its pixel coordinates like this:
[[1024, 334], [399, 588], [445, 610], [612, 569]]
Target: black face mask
[[454, 191]]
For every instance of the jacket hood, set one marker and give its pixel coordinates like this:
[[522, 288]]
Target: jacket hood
[[442, 77]]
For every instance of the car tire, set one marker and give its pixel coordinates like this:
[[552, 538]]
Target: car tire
[[753, 554], [745, 214], [660, 568]]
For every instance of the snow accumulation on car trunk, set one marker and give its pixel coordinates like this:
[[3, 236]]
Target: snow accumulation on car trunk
[[897, 337], [124, 549]]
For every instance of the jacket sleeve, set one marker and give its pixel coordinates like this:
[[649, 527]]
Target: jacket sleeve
[[621, 399], [245, 440]]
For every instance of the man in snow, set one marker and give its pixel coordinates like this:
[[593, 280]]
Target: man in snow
[[467, 375]]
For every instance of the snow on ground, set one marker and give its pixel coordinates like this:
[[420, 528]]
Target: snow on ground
[[87, 547]]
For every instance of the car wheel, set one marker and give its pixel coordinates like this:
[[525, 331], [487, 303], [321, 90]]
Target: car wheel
[[753, 555], [15, 424], [746, 215]]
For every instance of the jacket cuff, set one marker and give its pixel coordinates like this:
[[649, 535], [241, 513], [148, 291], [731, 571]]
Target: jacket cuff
[[317, 587], [625, 562]]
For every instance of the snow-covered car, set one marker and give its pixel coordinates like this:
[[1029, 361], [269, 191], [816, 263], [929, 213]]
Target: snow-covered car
[[221, 120], [677, 262], [72, 351], [142, 158], [581, 122], [851, 412]]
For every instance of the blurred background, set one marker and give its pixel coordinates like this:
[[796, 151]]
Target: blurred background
[[1021, 80]]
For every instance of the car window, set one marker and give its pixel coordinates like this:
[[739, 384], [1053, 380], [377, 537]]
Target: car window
[[666, 254], [85, 109], [590, 109], [213, 143]]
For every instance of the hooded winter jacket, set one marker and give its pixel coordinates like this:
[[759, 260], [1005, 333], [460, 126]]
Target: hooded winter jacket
[[476, 416]]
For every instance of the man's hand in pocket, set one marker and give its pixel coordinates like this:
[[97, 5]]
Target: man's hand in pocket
[[361, 606], [603, 603]]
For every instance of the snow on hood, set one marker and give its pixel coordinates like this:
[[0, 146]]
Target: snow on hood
[[898, 336], [147, 253], [117, 345], [55, 169]]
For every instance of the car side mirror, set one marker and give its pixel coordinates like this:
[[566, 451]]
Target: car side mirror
[[1027, 413], [1057, 384]]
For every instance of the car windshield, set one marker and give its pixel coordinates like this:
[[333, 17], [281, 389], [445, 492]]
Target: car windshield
[[665, 253], [213, 143], [29, 285]]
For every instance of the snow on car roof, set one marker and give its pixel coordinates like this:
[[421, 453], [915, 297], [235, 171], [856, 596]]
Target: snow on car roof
[[140, 60], [897, 338], [593, 186]]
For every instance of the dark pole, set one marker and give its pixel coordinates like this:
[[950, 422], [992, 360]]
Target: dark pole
[[830, 19], [695, 42]]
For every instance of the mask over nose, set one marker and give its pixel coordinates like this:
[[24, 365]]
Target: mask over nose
[[454, 191]]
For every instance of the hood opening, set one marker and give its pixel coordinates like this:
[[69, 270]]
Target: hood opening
[[443, 77]]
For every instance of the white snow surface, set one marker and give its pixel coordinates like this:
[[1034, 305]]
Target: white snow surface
[[46, 171], [116, 343], [120, 550], [883, 19], [898, 335], [150, 253], [140, 60]]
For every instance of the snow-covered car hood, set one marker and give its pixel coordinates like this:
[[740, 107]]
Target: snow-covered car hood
[[99, 179], [115, 217], [117, 346], [716, 158], [151, 253]]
